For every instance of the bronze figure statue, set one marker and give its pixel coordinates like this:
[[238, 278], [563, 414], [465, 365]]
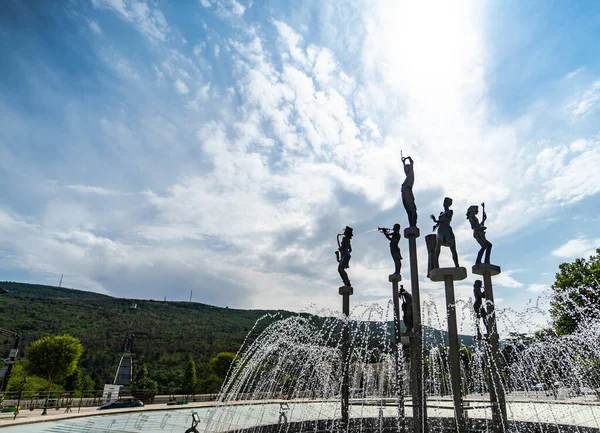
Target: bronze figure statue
[[445, 235], [479, 232], [408, 198], [394, 239], [407, 309], [480, 310], [343, 254]]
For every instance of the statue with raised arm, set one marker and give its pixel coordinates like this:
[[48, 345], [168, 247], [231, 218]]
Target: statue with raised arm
[[407, 309], [445, 235], [480, 311], [479, 232], [394, 238], [408, 198], [343, 254]]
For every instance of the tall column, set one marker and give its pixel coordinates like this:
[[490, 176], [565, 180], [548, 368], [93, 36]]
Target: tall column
[[495, 383], [416, 358], [346, 291], [449, 275], [394, 279]]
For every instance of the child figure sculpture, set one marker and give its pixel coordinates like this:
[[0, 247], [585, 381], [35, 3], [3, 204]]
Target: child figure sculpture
[[480, 310], [445, 235], [479, 232]]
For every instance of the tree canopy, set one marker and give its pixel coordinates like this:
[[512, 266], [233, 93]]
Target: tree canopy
[[220, 364], [576, 297], [190, 379], [53, 358]]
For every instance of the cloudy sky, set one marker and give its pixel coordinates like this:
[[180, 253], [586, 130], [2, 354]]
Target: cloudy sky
[[153, 148]]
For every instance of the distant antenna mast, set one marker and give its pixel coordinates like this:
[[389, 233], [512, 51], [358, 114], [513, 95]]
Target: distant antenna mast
[[60, 282], [190, 296]]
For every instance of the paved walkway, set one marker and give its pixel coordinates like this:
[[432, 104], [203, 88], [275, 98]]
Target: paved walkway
[[571, 411], [34, 416]]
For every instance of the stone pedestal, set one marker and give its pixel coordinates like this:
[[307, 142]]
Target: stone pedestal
[[495, 383], [449, 275], [345, 291], [416, 355], [395, 279]]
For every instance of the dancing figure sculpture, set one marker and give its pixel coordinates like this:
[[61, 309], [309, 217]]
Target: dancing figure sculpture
[[478, 307], [394, 239], [479, 232], [408, 198], [445, 235], [343, 254], [407, 310]]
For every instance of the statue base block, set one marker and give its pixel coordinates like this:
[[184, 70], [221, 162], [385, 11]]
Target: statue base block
[[395, 277], [482, 268], [412, 232], [440, 274], [345, 290]]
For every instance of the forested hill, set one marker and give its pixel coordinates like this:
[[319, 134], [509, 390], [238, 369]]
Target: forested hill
[[166, 333]]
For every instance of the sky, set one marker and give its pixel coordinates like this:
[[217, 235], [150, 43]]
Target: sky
[[155, 149]]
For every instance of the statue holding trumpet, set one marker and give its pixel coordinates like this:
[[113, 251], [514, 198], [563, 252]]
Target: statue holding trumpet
[[394, 237]]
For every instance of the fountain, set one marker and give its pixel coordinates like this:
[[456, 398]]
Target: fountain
[[349, 372], [339, 372]]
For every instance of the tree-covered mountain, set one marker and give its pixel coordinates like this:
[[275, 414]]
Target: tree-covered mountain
[[167, 334]]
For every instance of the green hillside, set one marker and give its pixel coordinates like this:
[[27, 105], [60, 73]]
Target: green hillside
[[166, 333]]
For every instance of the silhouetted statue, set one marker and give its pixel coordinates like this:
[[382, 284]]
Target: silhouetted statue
[[445, 235], [479, 232], [480, 310], [343, 254], [430, 242], [407, 309], [408, 198], [394, 239]]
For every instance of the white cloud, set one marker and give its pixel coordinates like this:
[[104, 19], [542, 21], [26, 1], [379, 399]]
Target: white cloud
[[586, 102], [181, 88], [147, 18], [576, 179], [537, 288], [505, 279], [575, 248], [86, 189], [95, 27], [237, 8], [573, 73], [205, 3]]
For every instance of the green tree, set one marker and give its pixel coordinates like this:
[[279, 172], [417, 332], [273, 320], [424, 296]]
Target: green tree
[[190, 379], [576, 294], [33, 386], [221, 363], [142, 387], [53, 358]]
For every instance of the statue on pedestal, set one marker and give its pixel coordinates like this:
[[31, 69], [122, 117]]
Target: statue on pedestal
[[408, 198], [479, 232], [343, 254], [445, 235], [407, 309], [394, 239], [480, 310]]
